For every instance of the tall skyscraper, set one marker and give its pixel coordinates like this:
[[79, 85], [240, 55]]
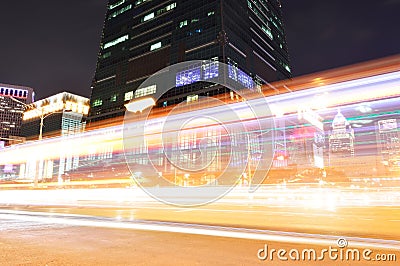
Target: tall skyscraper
[[12, 100], [141, 37]]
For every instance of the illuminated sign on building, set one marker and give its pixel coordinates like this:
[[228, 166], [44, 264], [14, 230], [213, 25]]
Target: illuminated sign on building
[[208, 70]]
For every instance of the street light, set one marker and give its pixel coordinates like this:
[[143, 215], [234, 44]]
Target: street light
[[43, 116]]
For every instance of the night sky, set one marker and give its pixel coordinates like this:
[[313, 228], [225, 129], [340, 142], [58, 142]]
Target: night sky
[[52, 46]]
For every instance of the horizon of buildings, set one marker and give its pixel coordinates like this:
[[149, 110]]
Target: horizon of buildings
[[312, 140]]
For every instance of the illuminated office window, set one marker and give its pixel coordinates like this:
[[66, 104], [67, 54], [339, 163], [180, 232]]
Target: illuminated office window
[[188, 76], [158, 12], [192, 98], [148, 17], [120, 11], [268, 32], [116, 41], [116, 4], [155, 46], [128, 96], [210, 69], [113, 98], [171, 6], [207, 70], [183, 24], [106, 55], [138, 2], [145, 91], [97, 102], [238, 75], [166, 9]]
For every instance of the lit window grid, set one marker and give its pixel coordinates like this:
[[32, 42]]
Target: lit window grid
[[192, 98], [116, 41], [240, 76], [19, 93], [208, 70], [117, 4], [146, 91], [187, 77], [159, 12], [10, 117], [97, 102], [128, 96], [120, 11]]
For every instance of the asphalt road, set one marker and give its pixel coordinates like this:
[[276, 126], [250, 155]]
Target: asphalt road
[[370, 222], [41, 243], [103, 227]]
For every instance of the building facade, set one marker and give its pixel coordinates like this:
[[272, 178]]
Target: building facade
[[141, 37], [60, 114], [388, 140], [341, 142], [12, 101]]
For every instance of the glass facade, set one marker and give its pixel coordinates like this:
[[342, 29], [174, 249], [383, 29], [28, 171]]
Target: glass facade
[[141, 37]]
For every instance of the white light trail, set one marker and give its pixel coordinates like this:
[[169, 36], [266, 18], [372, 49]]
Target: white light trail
[[216, 231]]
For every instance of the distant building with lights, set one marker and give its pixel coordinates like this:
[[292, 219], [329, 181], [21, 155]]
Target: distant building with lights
[[141, 37], [62, 114], [12, 100], [301, 146], [388, 141], [341, 142]]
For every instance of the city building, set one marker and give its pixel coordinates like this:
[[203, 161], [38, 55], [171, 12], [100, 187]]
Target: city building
[[141, 37], [341, 142], [60, 114], [388, 141], [358, 143], [12, 101]]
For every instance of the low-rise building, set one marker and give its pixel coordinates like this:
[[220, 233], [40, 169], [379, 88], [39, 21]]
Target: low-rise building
[[60, 114]]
